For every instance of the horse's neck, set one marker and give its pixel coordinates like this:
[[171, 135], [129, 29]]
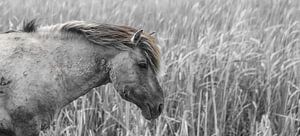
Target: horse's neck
[[81, 65]]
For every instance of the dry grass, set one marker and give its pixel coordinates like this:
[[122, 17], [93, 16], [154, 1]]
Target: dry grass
[[230, 67]]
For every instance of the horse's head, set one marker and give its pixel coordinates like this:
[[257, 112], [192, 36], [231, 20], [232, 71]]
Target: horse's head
[[133, 75]]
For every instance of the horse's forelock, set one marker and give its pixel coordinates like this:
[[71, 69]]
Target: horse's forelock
[[152, 51]]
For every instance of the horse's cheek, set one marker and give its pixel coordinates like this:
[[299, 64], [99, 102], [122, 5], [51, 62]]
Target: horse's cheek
[[24, 122]]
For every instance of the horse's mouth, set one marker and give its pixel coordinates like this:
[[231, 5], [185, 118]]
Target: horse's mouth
[[146, 112], [145, 108]]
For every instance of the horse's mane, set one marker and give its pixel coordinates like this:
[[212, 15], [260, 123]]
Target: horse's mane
[[30, 26], [105, 35]]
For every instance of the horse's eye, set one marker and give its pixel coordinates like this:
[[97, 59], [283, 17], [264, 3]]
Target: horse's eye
[[143, 64]]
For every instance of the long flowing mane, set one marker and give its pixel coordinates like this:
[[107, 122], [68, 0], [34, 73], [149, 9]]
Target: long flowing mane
[[104, 35]]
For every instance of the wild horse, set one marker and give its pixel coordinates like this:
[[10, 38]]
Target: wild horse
[[42, 69]]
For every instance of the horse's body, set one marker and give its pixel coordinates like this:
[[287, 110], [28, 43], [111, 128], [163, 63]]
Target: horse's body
[[45, 69]]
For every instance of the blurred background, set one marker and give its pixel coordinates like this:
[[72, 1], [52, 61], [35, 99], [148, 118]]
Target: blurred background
[[229, 67]]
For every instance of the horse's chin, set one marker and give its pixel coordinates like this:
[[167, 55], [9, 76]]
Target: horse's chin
[[146, 113]]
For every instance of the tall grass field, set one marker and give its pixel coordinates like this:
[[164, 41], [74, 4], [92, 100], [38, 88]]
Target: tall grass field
[[228, 67]]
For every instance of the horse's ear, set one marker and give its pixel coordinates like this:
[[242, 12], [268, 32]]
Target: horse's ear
[[153, 33], [137, 36]]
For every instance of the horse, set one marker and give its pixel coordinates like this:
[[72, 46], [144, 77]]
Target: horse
[[44, 68]]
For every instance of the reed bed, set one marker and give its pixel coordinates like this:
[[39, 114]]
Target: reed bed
[[229, 67]]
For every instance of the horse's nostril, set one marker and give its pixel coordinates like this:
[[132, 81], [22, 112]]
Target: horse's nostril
[[126, 91], [149, 106], [160, 108], [126, 94]]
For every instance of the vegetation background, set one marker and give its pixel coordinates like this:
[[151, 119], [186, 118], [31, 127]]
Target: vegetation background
[[229, 67]]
